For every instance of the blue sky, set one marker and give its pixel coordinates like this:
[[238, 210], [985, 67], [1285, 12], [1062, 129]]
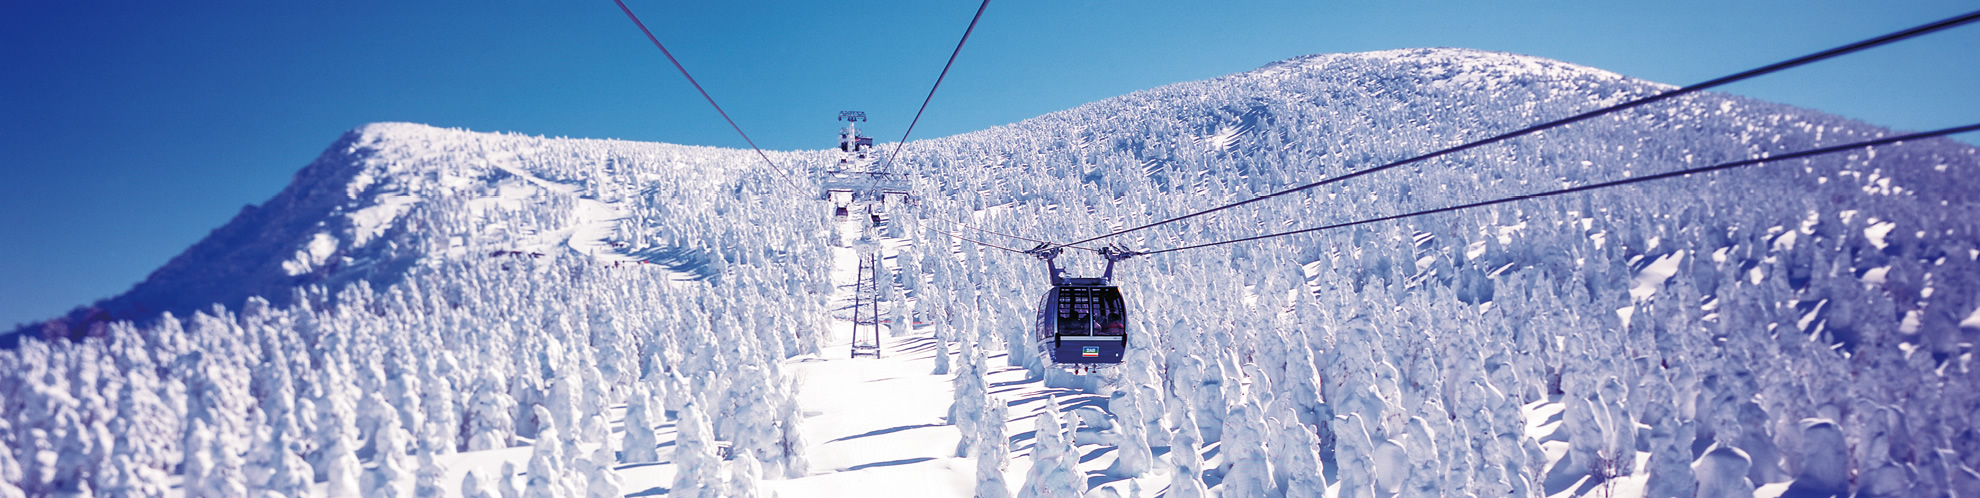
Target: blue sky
[[128, 130]]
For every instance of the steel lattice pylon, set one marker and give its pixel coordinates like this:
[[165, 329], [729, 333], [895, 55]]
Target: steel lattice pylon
[[866, 299]]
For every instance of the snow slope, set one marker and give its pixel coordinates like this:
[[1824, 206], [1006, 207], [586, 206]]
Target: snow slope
[[437, 301]]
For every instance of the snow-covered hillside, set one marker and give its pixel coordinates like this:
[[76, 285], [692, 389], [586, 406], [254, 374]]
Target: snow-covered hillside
[[421, 303]]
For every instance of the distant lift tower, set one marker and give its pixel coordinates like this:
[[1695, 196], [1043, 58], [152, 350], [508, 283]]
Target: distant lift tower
[[858, 179], [866, 307]]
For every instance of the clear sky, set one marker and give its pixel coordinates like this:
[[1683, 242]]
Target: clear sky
[[129, 129]]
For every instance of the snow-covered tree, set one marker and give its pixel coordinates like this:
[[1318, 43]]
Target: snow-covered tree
[[1299, 467], [443, 423], [489, 424], [73, 464], [641, 444], [212, 470], [427, 484], [1054, 470], [600, 480], [972, 394], [198, 462], [941, 355], [1185, 459], [595, 398], [395, 471], [993, 452], [744, 474], [1248, 473], [476, 485], [546, 460], [792, 448], [1722, 473], [9, 490], [1133, 456], [752, 429], [130, 479], [697, 471], [505, 480], [144, 422], [342, 468], [290, 475]]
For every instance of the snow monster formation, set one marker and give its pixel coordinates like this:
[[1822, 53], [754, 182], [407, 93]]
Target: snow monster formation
[[1803, 327]]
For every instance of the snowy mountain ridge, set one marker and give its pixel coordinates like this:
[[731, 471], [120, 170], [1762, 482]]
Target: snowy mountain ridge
[[465, 299]]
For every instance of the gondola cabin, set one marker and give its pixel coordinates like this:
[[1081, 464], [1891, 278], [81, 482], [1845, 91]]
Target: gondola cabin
[[1082, 322]]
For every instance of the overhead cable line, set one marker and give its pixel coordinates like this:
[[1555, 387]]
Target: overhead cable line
[[992, 232], [938, 84], [967, 239], [924, 108], [1602, 185], [704, 93], [1721, 81]]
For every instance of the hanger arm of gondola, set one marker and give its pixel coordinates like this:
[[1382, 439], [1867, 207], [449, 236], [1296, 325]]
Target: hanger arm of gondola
[[1713, 83], [1597, 186]]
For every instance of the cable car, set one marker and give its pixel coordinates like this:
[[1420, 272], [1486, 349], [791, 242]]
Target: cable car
[[1082, 322]]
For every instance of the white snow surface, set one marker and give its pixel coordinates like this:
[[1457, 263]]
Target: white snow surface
[[1805, 328]]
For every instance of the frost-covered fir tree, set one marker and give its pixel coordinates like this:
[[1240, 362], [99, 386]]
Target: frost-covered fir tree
[[1134, 458], [1722, 473], [1185, 461], [792, 448], [476, 485], [594, 402], [1054, 466], [197, 463], [73, 465], [442, 416], [342, 468], [394, 471], [336, 419], [489, 424], [428, 482], [744, 474], [966, 413], [752, 429], [144, 422], [1247, 473], [993, 452], [941, 355], [372, 411], [546, 460], [600, 480], [698, 473], [641, 444], [505, 480], [1300, 469], [563, 404], [130, 479], [291, 475], [10, 473]]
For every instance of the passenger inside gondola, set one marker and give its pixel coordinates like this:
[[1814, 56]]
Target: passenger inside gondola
[[1114, 326], [1079, 324]]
